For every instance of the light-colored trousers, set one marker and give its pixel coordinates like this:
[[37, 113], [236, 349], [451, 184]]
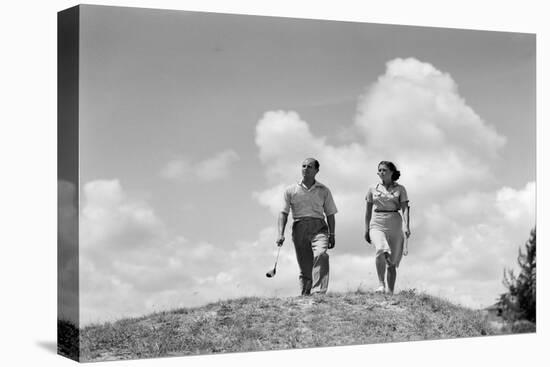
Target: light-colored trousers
[[310, 237]]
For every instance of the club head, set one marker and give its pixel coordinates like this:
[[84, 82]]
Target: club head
[[271, 273]]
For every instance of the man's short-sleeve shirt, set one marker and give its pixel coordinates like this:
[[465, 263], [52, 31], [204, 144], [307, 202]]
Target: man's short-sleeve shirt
[[387, 199], [315, 202]]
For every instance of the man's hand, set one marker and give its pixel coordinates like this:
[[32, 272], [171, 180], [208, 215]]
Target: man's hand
[[331, 241], [280, 240]]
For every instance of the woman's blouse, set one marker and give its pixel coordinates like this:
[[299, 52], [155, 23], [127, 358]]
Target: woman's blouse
[[387, 199]]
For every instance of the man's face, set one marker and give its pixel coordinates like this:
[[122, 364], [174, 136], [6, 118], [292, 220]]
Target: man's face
[[308, 169]]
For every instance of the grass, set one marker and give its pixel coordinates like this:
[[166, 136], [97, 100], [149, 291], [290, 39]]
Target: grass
[[68, 340], [259, 324]]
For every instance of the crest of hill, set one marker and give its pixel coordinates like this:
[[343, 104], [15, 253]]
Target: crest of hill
[[260, 324]]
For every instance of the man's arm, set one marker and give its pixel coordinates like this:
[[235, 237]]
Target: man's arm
[[331, 231], [368, 215], [281, 224]]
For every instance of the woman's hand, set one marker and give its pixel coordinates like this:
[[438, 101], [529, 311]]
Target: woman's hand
[[407, 232], [367, 236]]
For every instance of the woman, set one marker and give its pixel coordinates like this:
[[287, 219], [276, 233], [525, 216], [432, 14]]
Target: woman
[[384, 224]]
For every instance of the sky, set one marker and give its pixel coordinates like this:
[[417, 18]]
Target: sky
[[192, 124]]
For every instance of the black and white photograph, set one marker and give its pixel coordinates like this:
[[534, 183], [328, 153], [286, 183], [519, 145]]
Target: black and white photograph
[[230, 181], [405, 176]]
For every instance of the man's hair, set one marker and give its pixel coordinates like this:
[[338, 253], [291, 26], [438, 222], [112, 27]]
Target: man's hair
[[315, 162]]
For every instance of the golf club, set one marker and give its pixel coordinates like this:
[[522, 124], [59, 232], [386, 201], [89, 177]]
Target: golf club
[[271, 273]]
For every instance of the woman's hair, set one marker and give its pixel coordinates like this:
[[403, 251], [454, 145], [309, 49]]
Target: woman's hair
[[395, 173]]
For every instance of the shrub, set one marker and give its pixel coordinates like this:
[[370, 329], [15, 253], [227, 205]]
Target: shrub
[[519, 302]]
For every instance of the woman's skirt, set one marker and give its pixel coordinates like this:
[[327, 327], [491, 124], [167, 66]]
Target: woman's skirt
[[386, 234]]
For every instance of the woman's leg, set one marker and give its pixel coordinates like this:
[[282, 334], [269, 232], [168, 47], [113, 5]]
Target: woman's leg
[[380, 242], [392, 276], [381, 268], [395, 242]]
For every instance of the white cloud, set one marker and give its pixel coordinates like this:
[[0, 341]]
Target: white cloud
[[217, 167], [282, 132], [176, 169], [418, 107], [111, 219], [285, 140], [413, 115], [122, 249], [517, 205], [131, 264], [211, 169], [466, 227], [271, 198]]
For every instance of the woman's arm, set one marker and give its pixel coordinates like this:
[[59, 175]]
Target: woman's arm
[[405, 209], [368, 215]]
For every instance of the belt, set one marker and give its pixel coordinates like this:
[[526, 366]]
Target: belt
[[385, 211], [300, 219]]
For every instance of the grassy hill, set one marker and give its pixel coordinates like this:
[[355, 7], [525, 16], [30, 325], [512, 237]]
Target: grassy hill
[[254, 324]]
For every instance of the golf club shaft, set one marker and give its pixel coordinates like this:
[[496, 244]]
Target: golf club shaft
[[277, 258]]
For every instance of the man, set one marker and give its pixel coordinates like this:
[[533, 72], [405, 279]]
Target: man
[[309, 200]]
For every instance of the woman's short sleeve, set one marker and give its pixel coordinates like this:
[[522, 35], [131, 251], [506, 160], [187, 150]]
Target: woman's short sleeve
[[369, 198], [403, 197]]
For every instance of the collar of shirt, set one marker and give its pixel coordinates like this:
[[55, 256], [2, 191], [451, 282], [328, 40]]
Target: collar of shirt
[[315, 184], [389, 189]]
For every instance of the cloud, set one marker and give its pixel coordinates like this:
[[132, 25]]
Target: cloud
[[285, 140], [412, 115], [517, 205], [131, 264], [466, 227], [112, 219], [475, 245], [271, 198], [211, 169], [415, 115], [123, 247], [217, 167], [177, 169], [416, 106]]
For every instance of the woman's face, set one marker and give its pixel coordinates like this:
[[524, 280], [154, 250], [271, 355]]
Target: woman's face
[[384, 173]]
